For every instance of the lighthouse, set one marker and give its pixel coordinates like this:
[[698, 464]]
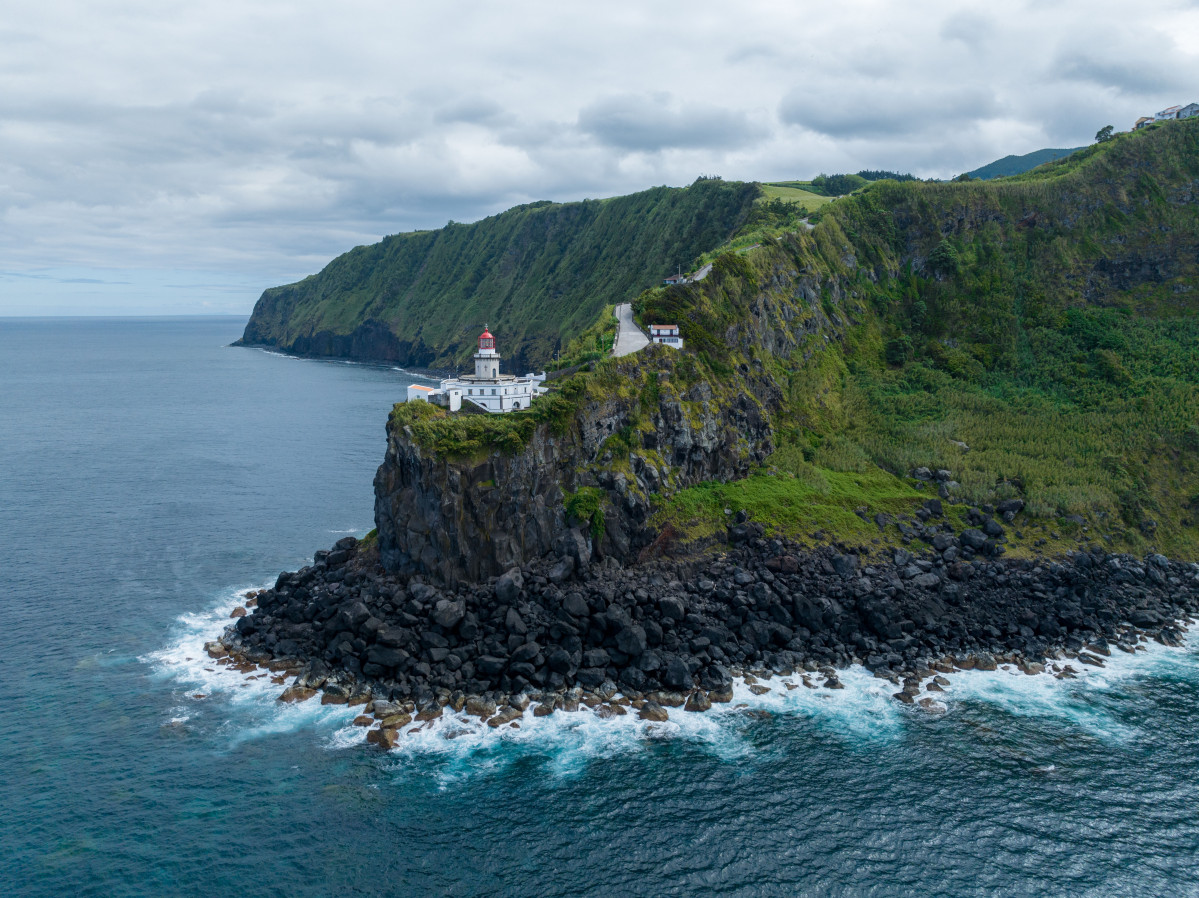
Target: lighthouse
[[487, 360], [486, 390]]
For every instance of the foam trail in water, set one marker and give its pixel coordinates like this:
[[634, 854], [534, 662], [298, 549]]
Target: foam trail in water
[[569, 742], [861, 713]]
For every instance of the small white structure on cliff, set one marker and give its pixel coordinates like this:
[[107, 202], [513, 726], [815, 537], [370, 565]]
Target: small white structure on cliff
[[486, 389], [666, 334]]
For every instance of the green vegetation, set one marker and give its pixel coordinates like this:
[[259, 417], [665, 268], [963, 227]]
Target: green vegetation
[[873, 175], [825, 188], [472, 436], [772, 217], [587, 505], [538, 274], [797, 195], [1015, 165], [591, 345], [1047, 348], [705, 315], [807, 506], [838, 185]]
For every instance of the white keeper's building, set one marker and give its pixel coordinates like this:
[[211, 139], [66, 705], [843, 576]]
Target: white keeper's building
[[487, 389], [666, 334]]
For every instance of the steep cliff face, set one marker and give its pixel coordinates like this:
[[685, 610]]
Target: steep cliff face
[[642, 428], [468, 518], [914, 324], [539, 274], [462, 520]]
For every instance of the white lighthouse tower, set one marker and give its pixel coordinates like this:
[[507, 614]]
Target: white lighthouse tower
[[486, 389], [487, 360]]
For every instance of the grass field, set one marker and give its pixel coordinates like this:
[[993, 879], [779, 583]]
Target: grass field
[[818, 504], [797, 195], [796, 506]]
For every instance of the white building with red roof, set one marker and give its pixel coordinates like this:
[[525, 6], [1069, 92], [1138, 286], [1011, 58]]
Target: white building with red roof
[[487, 389], [666, 334]]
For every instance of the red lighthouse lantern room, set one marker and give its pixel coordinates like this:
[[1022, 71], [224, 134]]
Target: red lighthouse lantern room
[[486, 341]]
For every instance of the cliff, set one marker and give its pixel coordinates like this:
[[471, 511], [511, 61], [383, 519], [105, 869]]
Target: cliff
[[961, 394], [539, 274], [1035, 337], [466, 496], [636, 430]]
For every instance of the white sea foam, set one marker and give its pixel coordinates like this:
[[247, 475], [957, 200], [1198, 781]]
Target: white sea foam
[[252, 699], [283, 355], [1079, 701], [568, 742], [862, 713]]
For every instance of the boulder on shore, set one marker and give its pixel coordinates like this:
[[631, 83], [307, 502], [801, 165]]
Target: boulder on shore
[[297, 694]]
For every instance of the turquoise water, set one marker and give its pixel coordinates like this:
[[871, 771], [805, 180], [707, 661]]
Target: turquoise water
[[148, 473]]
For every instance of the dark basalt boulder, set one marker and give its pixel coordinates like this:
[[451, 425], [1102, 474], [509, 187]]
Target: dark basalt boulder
[[677, 675], [448, 613], [845, 565], [508, 586], [973, 539]]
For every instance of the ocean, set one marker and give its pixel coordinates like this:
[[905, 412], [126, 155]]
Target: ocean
[[150, 473]]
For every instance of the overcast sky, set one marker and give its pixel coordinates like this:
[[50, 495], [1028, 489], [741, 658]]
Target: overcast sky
[[164, 156]]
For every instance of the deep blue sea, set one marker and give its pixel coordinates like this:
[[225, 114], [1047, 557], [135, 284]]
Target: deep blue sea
[[149, 472]]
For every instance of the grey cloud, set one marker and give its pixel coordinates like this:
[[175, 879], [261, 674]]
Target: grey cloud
[[752, 53], [970, 28], [472, 111], [1136, 76], [885, 110], [881, 62], [236, 156], [655, 122]]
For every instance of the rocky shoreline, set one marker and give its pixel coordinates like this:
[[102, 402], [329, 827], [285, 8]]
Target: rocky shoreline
[[566, 631]]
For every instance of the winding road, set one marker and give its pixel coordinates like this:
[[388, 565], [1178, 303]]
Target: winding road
[[629, 337]]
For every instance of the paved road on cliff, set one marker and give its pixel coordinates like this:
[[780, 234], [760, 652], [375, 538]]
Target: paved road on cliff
[[629, 337]]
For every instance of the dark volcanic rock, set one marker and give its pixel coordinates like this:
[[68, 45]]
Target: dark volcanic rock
[[508, 586], [448, 613], [973, 539], [664, 628]]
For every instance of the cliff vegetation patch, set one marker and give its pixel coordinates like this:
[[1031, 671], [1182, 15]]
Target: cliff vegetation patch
[[1037, 335]]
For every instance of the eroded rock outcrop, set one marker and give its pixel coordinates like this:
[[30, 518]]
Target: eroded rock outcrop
[[469, 518]]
